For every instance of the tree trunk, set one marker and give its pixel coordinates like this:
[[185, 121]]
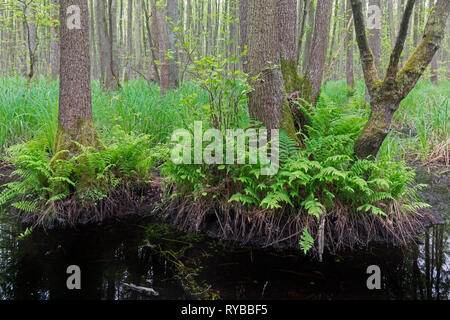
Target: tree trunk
[[54, 57], [287, 39], [31, 37], [304, 11], [334, 34], [153, 68], [172, 15], [75, 121], [348, 44], [263, 57], [96, 68], [375, 37], [137, 36], [243, 21], [387, 94], [434, 68], [392, 33], [113, 43], [309, 35], [127, 74], [161, 44], [105, 15], [318, 54]]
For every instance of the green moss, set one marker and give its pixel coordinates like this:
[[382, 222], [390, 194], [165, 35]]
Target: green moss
[[84, 132], [293, 82], [287, 122]]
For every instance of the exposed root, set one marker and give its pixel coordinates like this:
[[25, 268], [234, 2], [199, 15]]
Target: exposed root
[[282, 229], [120, 201]]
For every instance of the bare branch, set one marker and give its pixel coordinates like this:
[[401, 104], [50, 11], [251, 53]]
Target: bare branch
[[400, 43]]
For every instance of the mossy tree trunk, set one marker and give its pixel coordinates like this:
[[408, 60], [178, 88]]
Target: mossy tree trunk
[[287, 36], [386, 95], [75, 122]]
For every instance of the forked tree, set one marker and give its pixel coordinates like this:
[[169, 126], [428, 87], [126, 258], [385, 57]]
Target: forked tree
[[386, 94], [75, 122]]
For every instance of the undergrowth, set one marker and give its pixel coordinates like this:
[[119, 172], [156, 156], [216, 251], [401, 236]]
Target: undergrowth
[[44, 178], [312, 181]]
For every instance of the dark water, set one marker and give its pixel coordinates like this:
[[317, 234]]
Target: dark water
[[179, 266]]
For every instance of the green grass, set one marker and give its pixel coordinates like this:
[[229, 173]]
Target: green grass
[[421, 125], [136, 107]]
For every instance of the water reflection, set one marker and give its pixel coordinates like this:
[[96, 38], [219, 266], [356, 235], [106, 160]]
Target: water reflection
[[35, 268], [124, 252]]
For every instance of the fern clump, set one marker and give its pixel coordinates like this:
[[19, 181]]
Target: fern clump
[[44, 179], [323, 177]]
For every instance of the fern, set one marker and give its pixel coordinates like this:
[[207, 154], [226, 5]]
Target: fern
[[306, 242]]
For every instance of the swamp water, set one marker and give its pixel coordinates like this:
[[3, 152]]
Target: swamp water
[[147, 253]]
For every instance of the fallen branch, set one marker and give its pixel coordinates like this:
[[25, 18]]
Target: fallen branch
[[142, 290]]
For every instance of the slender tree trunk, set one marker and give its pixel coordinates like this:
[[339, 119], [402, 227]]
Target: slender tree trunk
[[416, 29], [54, 57], [243, 20], [375, 37], [96, 68], [172, 15], [304, 11], [348, 44], [435, 60], [334, 34], [31, 37], [309, 35], [75, 121], [106, 78], [153, 68], [161, 43], [319, 47], [137, 35], [392, 33], [113, 43], [434, 68], [208, 29], [447, 52], [129, 62]]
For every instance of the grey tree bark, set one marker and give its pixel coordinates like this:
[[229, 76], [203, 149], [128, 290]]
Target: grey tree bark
[[263, 60], [348, 44], [54, 51], [243, 21], [375, 36], [75, 122], [318, 54], [172, 22]]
